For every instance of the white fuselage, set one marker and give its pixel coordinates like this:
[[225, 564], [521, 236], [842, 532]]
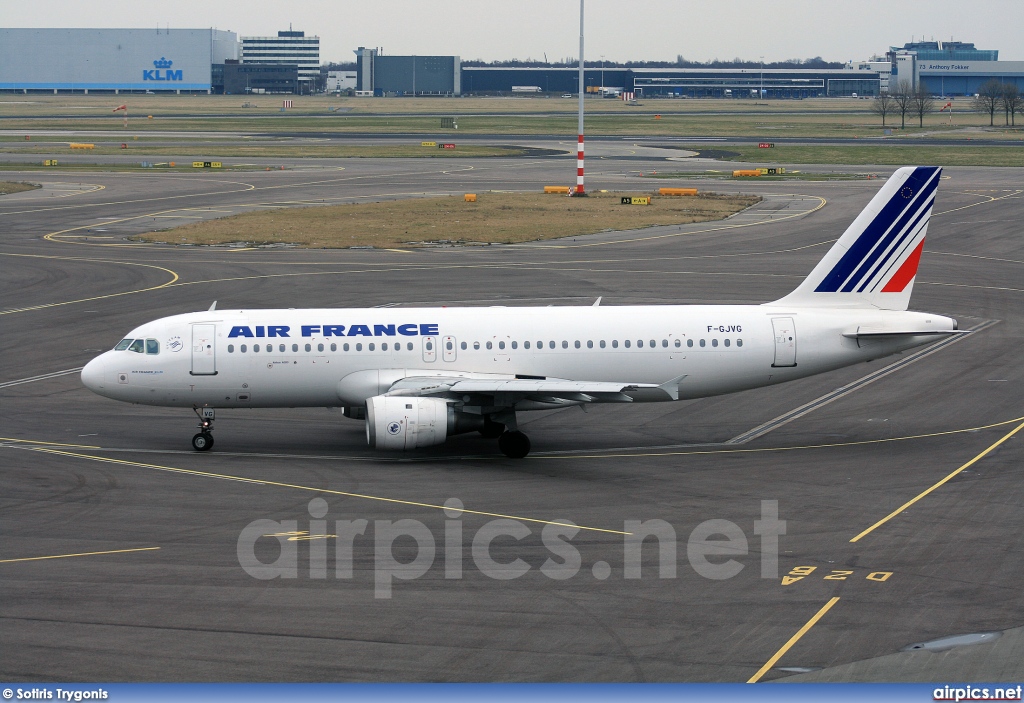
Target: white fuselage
[[342, 357]]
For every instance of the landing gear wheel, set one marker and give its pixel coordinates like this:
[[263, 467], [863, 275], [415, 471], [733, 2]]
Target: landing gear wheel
[[202, 442], [492, 429], [514, 444]]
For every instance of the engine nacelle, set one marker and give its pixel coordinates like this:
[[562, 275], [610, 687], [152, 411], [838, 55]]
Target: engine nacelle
[[400, 422]]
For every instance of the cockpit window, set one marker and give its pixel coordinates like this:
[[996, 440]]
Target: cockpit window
[[122, 345], [137, 346], [152, 346]]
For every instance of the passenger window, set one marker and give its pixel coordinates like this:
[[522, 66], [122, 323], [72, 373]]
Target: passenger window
[[447, 345], [653, 345], [627, 343], [702, 343], [295, 347], [739, 342], [371, 346], [664, 342], [590, 344], [123, 344], [602, 344], [463, 345], [384, 346], [565, 344], [280, 348], [678, 343], [501, 345], [490, 345], [255, 347], [515, 345], [577, 344], [334, 347], [615, 344], [689, 342], [526, 345], [476, 345], [242, 348], [640, 343], [409, 346], [359, 346], [430, 346], [344, 347], [137, 346], [231, 349], [309, 347], [270, 347], [152, 346], [727, 342], [714, 342]]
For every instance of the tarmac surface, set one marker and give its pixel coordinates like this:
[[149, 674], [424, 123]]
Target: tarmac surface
[[119, 557]]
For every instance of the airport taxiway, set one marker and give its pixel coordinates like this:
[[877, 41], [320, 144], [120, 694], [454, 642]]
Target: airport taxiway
[[119, 553]]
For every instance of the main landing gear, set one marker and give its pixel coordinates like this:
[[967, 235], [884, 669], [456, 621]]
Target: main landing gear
[[203, 440], [512, 443]]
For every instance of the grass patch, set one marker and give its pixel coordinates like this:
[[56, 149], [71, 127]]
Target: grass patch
[[203, 152], [879, 154], [504, 218], [8, 187]]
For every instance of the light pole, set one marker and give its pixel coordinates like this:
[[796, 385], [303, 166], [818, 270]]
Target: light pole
[[579, 148], [760, 93], [602, 75]]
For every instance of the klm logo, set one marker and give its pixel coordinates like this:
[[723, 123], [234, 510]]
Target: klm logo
[[162, 72]]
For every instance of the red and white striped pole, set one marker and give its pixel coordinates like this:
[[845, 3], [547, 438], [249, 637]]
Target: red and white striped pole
[[579, 147]]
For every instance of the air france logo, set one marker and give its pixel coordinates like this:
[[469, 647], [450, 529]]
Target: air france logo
[[175, 344], [162, 72], [394, 428]]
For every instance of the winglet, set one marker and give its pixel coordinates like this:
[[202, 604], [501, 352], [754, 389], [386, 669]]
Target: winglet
[[597, 302], [212, 307]]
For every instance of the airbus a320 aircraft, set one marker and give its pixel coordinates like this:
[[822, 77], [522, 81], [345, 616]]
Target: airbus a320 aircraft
[[418, 375]]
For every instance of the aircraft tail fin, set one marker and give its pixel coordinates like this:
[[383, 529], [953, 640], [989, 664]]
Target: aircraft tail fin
[[875, 262]]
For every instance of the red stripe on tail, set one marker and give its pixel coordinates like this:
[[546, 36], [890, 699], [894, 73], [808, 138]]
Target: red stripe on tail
[[906, 272]]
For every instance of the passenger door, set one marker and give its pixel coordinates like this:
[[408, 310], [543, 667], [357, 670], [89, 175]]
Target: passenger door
[[204, 352], [785, 341]]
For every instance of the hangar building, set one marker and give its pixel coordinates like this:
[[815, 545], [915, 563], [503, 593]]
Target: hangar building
[[112, 60], [678, 82], [951, 68], [378, 74]]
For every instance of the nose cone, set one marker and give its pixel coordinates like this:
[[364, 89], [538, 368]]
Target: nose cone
[[92, 374]]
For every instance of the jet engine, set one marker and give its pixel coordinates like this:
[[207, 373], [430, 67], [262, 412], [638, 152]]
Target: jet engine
[[399, 423]]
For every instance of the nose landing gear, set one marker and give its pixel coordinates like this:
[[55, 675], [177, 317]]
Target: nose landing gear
[[203, 440]]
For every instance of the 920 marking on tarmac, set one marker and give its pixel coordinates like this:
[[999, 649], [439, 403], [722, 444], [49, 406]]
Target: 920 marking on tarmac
[[798, 573]]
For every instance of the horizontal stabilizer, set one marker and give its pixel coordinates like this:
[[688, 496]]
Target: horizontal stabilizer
[[868, 333]]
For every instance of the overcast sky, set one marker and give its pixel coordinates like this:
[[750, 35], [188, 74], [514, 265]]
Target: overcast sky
[[836, 30]]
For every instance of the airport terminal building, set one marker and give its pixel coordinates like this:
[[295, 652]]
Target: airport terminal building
[[112, 60]]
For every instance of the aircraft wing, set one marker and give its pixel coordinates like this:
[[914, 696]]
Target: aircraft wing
[[509, 391]]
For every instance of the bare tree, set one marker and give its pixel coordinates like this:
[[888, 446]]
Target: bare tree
[[882, 105], [922, 103], [988, 99], [1011, 101], [901, 97]]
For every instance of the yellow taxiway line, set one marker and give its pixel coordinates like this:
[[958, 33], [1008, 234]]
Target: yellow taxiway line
[[364, 496], [793, 640], [941, 483], [80, 554]]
